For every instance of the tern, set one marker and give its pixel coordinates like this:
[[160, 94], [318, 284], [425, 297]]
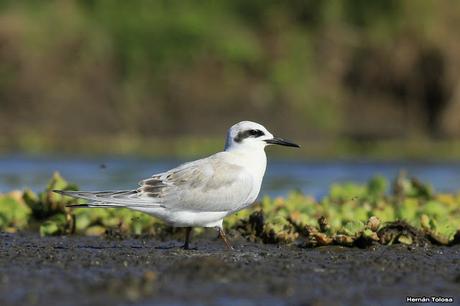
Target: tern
[[203, 192]]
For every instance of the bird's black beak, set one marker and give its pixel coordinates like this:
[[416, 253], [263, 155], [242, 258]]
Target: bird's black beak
[[281, 142]]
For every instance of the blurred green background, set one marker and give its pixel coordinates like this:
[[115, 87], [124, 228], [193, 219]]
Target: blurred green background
[[344, 78]]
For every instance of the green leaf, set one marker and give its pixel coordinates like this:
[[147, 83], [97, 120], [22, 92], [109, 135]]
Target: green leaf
[[95, 230], [377, 186], [347, 191], [353, 228], [55, 225], [436, 210], [408, 209], [14, 213], [405, 239]]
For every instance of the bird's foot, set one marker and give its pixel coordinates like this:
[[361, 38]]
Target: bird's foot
[[224, 238]]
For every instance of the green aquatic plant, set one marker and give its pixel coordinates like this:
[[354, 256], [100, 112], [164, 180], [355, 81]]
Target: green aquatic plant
[[48, 203], [14, 213], [354, 214], [351, 214], [50, 209]]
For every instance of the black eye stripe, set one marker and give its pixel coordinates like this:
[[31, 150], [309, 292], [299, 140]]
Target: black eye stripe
[[256, 133], [248, 133]]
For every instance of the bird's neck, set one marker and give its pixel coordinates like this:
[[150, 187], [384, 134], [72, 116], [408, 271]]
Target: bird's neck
[[253, 158]]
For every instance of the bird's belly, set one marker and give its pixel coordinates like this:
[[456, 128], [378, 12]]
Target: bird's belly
[[186, 218]]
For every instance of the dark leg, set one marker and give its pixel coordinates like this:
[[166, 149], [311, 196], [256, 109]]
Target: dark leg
[[224, 238], [188, 231]]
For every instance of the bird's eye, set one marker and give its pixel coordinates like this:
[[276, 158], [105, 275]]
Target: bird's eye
[[256, 133], [248, 133]]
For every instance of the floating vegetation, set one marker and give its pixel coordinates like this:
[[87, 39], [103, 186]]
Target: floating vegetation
[[351, 215]]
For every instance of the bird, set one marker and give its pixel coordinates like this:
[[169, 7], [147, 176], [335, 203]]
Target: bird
[[203, 192]]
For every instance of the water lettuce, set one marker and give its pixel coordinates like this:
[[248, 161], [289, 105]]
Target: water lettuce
[[351, 214]]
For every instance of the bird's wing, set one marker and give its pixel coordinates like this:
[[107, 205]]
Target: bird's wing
[[119, 198], [209, 184]]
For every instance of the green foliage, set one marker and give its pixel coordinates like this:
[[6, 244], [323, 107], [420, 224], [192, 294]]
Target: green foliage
[[49, 203], [352, 214], [96, 221], [14, 214], [54, 225], [142, 68]]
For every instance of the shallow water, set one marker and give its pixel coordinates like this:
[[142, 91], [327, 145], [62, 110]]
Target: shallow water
[[314, 178]]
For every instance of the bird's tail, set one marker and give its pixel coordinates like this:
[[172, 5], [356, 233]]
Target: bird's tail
[[123, 198]]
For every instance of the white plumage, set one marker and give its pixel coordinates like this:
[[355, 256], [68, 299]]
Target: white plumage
[[202, 192]]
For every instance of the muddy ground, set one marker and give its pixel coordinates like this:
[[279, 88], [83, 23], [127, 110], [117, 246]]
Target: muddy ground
[[99, 271]]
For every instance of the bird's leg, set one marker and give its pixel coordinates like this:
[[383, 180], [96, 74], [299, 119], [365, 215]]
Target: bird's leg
[[224, 237], [188, 231]]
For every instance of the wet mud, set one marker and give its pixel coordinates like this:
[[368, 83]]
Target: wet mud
[[77, 270]]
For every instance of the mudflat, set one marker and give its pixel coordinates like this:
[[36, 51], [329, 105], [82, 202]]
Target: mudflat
[[74, 270]]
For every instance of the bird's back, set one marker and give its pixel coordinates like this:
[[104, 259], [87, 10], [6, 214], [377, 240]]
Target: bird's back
[[218, 183], [215, 183]]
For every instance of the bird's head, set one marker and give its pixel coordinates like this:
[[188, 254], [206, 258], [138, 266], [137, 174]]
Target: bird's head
[[248, 134]]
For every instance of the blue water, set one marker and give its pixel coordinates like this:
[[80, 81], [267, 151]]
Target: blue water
[[314, 178]]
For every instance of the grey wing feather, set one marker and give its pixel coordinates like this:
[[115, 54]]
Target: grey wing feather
[[122, 198], [210, 184]]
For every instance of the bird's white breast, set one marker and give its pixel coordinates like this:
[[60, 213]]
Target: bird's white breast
[[255, 163]]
